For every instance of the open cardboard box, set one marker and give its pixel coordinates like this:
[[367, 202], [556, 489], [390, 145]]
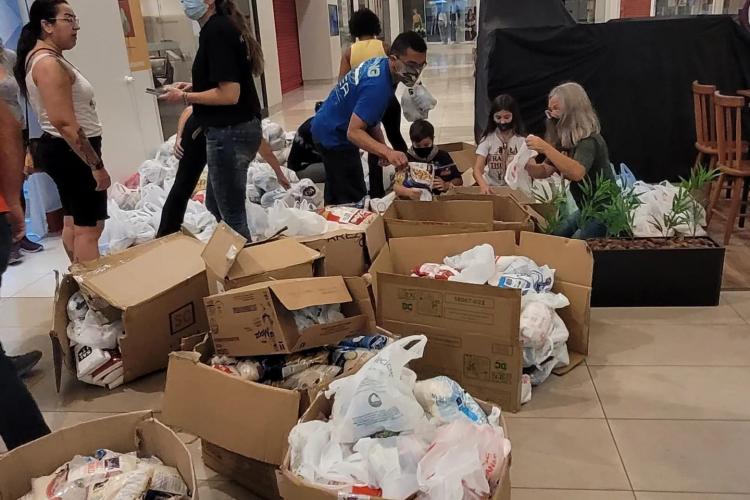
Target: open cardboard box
[[508, 213], [231, 263], [473, 330], [407, 218], [348, 252], [159, 304], [463, 153], [293, 487], [124, 433], [257, 320]]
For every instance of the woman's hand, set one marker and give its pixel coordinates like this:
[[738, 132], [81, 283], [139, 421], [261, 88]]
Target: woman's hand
[[102, 179], [484, 188], [283, 181], [178, 151], [184, 86], [537, 144], [173, 95]]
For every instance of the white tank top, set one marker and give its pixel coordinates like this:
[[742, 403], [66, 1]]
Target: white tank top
[[84, 103]]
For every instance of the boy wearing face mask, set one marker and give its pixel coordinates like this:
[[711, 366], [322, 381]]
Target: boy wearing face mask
[[349, 119], [424, 150], [502, 138]]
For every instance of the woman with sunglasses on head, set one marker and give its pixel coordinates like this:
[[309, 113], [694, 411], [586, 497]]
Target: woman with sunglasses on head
[[225, 104], [69, 151], [574, 147]]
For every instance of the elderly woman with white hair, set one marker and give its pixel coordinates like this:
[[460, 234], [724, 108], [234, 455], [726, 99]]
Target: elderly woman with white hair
[[574, 147]]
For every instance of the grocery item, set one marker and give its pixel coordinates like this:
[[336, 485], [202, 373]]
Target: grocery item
[[445, 401], [434, 271], [522, 273], [77, 307], [317, 315]]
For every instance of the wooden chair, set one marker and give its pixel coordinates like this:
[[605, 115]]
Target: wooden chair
[[705, 125], [733, 168]]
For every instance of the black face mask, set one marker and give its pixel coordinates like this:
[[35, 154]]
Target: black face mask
[[504, 127], [423, 152]]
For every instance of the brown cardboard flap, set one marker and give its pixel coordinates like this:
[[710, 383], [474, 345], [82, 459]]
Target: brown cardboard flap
[[222, 249], [571, 259], [519, 196], [257, 477], [301, 293], [453, 211], [271, 256], [409, 228], [250, 419], [331, 333], [147, 271], [121, 433], [505, 207], [375, 237]]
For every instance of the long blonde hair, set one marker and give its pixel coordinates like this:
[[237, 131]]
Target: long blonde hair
[[578, 119]]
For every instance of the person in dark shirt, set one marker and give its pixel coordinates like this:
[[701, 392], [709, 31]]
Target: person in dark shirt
[[424, 150], [225, 104]]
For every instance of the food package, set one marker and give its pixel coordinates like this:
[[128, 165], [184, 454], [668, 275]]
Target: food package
[[379, 397], [77, 307], [89, 359], [313, 379], [419, 175], [351, 360], [522, 273], [434, 271], [445, 401], [317, 315], [348, 215]]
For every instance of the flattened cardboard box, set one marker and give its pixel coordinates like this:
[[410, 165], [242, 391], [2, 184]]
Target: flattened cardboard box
[[473, 330], [508, 214], [159, 304], [348, 252], [124, 433], [231, 263], [257, 320], [293, 487], [407, 218]]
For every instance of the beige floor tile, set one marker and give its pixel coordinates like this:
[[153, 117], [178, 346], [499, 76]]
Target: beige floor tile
[[740, 302], [723, 314], [142, 394], [223, 490], [43, 287], [28, 313], [687, 456], [669, 344], [18, 277], [571, 396], [533, 494], [646, 495], [19, 339], [564, 453], [670, 392]]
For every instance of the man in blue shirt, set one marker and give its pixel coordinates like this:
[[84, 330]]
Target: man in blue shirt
[[349, 119]]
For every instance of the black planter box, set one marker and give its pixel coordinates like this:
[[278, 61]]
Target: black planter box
[[657, 277]]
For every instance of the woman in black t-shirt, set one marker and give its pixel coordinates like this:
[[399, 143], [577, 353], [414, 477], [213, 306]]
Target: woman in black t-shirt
[[225, 103]]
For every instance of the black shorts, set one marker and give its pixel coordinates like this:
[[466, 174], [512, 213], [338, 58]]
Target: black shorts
[[345, 180], [73, 178]]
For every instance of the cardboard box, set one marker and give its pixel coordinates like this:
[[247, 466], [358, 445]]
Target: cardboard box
[[257, 320], [159, 304], [407, 218], [463, 153], [508, 214], [230, 263], [293, 487], [520, 197], [473, 330], [348, 252], [257, 477], [123, 433]]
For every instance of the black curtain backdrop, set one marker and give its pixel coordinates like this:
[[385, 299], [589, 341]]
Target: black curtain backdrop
[[638, 74]]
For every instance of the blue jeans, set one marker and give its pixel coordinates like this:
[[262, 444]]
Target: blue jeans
[[229, 151], [569, 228]]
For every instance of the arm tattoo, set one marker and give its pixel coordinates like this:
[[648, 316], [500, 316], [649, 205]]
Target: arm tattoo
[[85, 150]]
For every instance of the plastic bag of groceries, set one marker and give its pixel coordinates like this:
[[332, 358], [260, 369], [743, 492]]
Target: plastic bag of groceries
[[300, 220], [516, 175], [384, 380], [152, 172], [126, 198], [523, 273], [444, 400], [153, 194], [417, 102], [118, 233], [274, 134], [544, 335]]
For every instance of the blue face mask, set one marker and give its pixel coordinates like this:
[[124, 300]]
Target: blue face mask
[[194, 9]]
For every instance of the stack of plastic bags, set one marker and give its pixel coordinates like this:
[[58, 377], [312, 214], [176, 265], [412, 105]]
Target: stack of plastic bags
[[95, 344], [656, 202], [108, 475], [394, 437], [544, 335]]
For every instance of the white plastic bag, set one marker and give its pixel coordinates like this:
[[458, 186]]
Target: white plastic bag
[[299, 221], [306, 190], [393, 462], [541, 328], [152, 172], [445, 401], [523, 273], [126, 198], [77, 307], [257, 219], [379, 397], [119, 233], [274, 134], [93, 332], [417, 102], [279, 194], [476, 265], [516, 175], [153, 194]]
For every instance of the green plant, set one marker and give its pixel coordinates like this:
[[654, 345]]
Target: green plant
[[595, 197], [555, 198], [688, 204], [618, 214]]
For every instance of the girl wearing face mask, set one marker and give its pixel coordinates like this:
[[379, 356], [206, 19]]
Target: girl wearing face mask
[[499, 144], [225, 103], [70, 148], [575, 148]]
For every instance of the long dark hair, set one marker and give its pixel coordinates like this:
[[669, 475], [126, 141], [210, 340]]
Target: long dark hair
[[254, 50], [504, 102], [41, 10]]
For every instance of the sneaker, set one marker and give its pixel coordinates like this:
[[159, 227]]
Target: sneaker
[[15, 257], [24, 363], [28, 246]]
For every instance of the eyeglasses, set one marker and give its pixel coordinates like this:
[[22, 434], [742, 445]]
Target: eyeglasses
[[549, 114], [414, 66], [68, 19]]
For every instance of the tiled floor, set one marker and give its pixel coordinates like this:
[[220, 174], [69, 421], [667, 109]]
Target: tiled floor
[[659, 412]]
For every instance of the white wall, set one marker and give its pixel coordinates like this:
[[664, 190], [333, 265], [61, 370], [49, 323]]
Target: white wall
[[132, 130], [267, 24], [395, 8], [320, 52]]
